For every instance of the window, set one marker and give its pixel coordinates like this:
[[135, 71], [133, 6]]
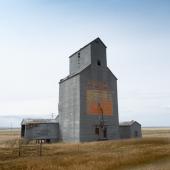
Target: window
[[97, 41], [78, 57], [98, 63], [78, 54]]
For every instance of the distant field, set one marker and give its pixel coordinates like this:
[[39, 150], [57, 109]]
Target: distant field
[[156, 132], [8, 134], [150, 153]]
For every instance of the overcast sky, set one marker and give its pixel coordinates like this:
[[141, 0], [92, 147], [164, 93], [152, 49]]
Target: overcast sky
[[37, 37]]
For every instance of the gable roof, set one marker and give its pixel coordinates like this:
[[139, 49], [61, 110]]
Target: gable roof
[[80, 71], [97, 39], [74, 74], [128, 123], [37, 121]]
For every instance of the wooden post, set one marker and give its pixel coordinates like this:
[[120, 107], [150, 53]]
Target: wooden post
[[40, 149], [78, 147], [19, 148]]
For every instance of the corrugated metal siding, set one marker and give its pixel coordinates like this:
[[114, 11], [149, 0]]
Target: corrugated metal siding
[[42, 131], [130, 131], [69, 109], [135, 130], [124, 132], [80, 61], [98, 74]]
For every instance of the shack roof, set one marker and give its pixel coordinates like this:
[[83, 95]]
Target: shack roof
[[37, 121], [128, 123]]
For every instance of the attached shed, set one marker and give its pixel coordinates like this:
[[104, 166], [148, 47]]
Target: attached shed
[[130, 129], [40, 129]]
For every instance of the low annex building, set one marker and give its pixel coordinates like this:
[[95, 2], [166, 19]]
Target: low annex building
[[88, 102], [130, 129], [40, 129]]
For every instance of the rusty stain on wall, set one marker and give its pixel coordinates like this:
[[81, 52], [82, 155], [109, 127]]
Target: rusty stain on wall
[[98, 93]]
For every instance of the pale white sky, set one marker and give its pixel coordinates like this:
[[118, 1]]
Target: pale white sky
[[36, 38]]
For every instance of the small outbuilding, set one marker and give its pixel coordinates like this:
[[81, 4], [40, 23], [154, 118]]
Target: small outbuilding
[[46, 130], [130, 129]]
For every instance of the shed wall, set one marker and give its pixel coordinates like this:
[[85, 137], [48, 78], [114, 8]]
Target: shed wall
[[130, 131], [125, 132], [135, 131], [42, 131]]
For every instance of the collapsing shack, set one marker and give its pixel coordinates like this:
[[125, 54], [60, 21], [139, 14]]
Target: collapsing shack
[[41, 130]]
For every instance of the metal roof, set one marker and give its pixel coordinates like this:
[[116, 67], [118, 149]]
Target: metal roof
[[97, 39], [57, 118], [128, 123], [79, 71], [37, 121]]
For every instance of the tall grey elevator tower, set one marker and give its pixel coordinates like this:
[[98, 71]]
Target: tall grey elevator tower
[[88, 104]]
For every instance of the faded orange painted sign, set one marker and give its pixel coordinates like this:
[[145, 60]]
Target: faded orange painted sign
[[99, 99]]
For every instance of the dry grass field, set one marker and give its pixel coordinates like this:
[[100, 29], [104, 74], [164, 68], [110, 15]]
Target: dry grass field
[[8, 135], [156, 132], [150, 153]]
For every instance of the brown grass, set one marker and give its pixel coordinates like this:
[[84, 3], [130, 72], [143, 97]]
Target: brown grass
[[156, 132], [7, 135], [96, 155], [142, 154]]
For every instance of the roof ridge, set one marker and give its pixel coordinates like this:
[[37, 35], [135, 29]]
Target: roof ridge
[[89, 44]]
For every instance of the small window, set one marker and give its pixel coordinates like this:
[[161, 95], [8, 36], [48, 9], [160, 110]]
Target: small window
[[97, 41], [79, 55], [97, 131], [98, 63], [79, 58]]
